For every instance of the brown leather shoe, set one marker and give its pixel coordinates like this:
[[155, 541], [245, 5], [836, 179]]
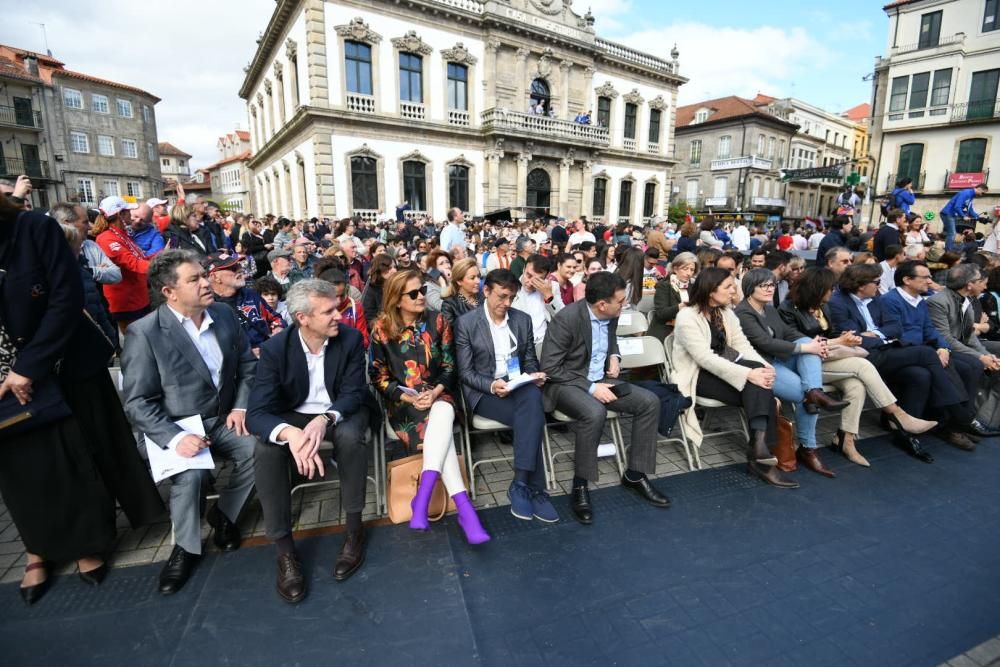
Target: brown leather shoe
[[810, 459], [956, 439], [771, 475], [351, 555], [817, 399], [291, 581]]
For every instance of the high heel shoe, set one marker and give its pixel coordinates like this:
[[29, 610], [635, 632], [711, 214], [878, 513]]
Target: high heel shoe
[[906, 423], [93, 577], [32, 594], [850, 452]]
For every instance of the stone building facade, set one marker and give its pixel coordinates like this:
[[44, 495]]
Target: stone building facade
[[355, 107], [232, 179], [174, 163], [24, 148]]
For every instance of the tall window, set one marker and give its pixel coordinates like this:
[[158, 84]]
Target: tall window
[[770, 148], [72, 99], [941, 87], [918, 90], [458, 187], [133, 188], [721, 186], [696, 152], [654, 126], [648, 200], [78, 142], [415, 184], [781, 153], [105, 145], [85, 188], [983, 93], [99, 103], [971, 155], [691, 192], [129, 148], [111, 189], [539, 191], [458, 82], [364, 182], [604, 111], [147, 114], [625, 200], [600, 195], [910, 158], [631, 111], [124, 108], [761, 142], [725, 145], [411, 75], [930, 30], [540, 94], [150, 152], [990, 20], [358, 59], [897, 97]]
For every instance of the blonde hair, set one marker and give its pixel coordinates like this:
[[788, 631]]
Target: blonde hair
[[390, 320], [101, 224], [458, 274], [71, 233], [180, 213]]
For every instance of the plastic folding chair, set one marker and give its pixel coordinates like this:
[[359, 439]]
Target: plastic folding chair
[[631, 323]]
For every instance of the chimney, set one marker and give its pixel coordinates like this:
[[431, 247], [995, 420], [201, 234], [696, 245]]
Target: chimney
[[31, 64]]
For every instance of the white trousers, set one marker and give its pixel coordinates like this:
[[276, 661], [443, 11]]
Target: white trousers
[[439, 447]]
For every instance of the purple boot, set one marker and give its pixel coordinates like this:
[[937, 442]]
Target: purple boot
[[469, 520], [423, 498]]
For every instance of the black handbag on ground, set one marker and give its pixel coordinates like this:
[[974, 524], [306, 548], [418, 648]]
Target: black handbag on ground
[[672, 403]]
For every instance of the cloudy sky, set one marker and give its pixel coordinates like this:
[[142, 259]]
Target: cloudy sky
[[191, 53]]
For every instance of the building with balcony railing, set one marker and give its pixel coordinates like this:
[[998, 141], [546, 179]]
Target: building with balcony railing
[[22, 129], [936, 114], [356, 107]]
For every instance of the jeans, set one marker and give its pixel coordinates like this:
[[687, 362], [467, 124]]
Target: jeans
[[948, 223], [793, 378]]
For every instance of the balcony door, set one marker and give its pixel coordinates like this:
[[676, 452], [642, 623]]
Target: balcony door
[[23, 114], [539, 193], [32, 163], [910, 158], [983, 93]]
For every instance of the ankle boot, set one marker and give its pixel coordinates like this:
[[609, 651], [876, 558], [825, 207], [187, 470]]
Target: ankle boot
[[423, 498], [817, 399], [469, 520], [758, 451], [771, 475]]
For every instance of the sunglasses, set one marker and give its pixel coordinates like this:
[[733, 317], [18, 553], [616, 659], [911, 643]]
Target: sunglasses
[[414, 293]]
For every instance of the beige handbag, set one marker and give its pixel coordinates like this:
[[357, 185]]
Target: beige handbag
[[836, 352], [403, 479]]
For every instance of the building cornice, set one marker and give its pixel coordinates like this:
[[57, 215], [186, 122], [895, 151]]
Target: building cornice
[[757, 117]]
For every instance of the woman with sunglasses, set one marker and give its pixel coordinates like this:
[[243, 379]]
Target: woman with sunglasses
[[413, 366]]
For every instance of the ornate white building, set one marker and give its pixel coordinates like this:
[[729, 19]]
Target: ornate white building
[[355, 107]]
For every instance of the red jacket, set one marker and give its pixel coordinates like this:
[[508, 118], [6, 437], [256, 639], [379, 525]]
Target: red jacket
[[131, 293]]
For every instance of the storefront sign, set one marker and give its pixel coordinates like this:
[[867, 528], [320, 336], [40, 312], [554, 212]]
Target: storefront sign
[[965, 179]]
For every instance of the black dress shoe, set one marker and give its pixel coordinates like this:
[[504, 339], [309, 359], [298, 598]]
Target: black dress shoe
[[291, 581], [32, 594], [646, 491], [912, 446], [94, 577], [227, 535], [177, 570], [956, 439], [771, 475], [580, 504], [978, 429], [351, 555]]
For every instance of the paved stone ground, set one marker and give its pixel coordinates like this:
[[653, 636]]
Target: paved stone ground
[[986, 654]]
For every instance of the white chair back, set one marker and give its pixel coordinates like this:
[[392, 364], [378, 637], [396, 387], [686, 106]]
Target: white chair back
[[645, 305], [631, 323], [641, 352]]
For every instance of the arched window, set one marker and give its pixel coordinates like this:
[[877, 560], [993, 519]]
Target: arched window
[[539, 192], [649, 200], [540, 94], [911, 157], [364, 182], [625, 200], [600, 196], [415, 184], [971, 155], [458, 187]]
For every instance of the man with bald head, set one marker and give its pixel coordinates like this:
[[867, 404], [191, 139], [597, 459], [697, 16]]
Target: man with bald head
[[144, 232]]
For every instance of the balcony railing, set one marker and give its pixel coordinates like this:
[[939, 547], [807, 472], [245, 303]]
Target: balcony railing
[[957, 38], [360, 103], [20, 117], [631, 55], [629, 144], [503, 120], [975, 110], [652, 147], [412, 110], [366, 214], [456, 117], [918, 182], [15, 167]]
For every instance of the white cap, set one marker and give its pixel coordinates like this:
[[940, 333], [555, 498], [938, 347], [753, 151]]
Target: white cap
[[153, 201], [111, 206]]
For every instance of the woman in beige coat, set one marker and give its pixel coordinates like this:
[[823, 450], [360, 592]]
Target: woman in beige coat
[[713, 359]]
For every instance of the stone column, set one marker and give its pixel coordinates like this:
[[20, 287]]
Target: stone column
[[522, 179], [588, 90], [521, 100], [326, 204], [587, 205], [490, 73], [493, 157], [564, 68], [319, 82], [564, 166]]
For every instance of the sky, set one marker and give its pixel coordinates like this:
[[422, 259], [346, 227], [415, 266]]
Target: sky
[[192, 53]]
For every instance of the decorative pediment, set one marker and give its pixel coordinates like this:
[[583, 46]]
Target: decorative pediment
[[545, 63], [606, 90], [458, 54], [460, 161], [658, 103], [415, 156], [633, 97], [411, 43], [291, 49], [603, 173], [357, 30], [364, 151], [260, 99], [279, 72], [628, 177], [267, 86]]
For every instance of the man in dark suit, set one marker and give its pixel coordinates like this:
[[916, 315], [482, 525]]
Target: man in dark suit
[[840, 227], [494, 344], [191, 357], [889, 234], [581, 361], [310, 387]]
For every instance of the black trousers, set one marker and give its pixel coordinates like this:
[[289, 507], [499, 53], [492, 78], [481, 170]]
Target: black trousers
[[755, 401], [274, 468], [923, 386]]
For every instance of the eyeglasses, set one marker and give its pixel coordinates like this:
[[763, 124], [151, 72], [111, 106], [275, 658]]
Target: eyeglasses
[[414, 293], [767, 285], [877, 281]]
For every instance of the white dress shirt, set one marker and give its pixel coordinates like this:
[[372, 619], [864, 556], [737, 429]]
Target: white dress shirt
[[504, 343], [533, 304], [888, 279], [318, 398], [208, 348]]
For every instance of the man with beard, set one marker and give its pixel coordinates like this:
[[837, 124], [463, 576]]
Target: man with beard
[[225, 273]]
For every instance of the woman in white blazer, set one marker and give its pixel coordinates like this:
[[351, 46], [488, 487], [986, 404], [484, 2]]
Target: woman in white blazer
[[713, 359]]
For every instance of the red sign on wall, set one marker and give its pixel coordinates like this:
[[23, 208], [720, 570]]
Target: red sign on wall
[[965, 179]]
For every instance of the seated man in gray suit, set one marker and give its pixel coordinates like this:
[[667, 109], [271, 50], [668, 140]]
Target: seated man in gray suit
[[191, 357], [581, 361], [494, 345], [953, 314]]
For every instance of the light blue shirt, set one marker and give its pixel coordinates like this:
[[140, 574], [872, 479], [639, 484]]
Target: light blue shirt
[[598, 349], [869, 322], [452, 236]]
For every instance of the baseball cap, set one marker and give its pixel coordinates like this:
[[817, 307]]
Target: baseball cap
[[111, 206], [220, 260], [153, 201], [302, 240], [278, 253]]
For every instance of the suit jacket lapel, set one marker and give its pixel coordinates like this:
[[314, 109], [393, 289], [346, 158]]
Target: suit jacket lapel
[[588, 338], [331, 360], [183, 343], [226, 336], [482, 329]]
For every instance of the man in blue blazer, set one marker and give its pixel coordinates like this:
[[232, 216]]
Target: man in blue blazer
[[494, 344], [310, 387], [959, 206]]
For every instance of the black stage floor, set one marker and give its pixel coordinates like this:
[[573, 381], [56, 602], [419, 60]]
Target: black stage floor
[[896, 565]]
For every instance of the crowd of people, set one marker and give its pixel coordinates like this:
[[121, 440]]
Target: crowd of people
[[279, 335]]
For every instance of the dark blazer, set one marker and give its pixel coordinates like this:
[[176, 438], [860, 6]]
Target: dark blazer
[[804, 323], [768, 333], [847, 316], [833, 239], [282, 381], [666, 304], [454, 306], [476, 356], [885, 237], [41, 301], [566, 350], [165, 378], [181, 238]]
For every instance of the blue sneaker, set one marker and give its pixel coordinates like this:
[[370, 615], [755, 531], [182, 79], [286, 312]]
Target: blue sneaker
[[521, 504], [542, 508]]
